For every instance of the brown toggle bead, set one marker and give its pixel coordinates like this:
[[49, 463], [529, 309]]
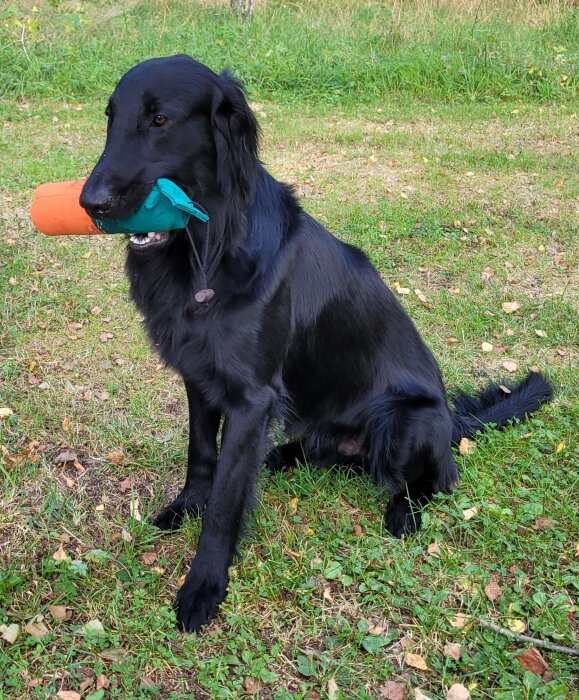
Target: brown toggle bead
[[204, 296]]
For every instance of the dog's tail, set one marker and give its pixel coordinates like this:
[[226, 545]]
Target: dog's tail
[[498, 404]]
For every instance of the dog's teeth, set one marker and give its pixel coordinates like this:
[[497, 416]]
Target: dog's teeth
[[151, 234]]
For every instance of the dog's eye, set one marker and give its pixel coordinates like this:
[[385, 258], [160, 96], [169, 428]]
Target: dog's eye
[[159, 120]]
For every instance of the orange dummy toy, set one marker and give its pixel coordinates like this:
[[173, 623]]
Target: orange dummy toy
[[56, 211]]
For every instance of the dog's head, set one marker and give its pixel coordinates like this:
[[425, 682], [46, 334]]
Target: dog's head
[[174, 118]]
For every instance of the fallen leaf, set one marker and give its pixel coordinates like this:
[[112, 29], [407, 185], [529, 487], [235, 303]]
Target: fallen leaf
[[400, 290], [332, 689], [466, 446], [433, 549], [416, 661], [543, 523], [516, 625], [510, 366], [453, 650], [510, 332], [66, 456], [328, 595], [487, 274], [535, 368], [252, 686], [459, 620], [95, 311], [422, 297], [93, 626], [452, 341], [540, 333], [86, 684], [36, 628], [504, 389], [457, 692], [102, 682], [65, 424], [113, 654], [68, 695], [509, 307], [493, 591], [124, 485], [469, 513], [419, 695], [126, 535], [149, 558], [10, 633], [560, 447], [293, 506], [357, 530], [393, 691], [116, 457], [486, 347], [531, 660], [58, 612], [562, 352], [6, 412], [60, 554]]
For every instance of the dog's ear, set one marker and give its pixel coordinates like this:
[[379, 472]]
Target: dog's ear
[[235, 132]]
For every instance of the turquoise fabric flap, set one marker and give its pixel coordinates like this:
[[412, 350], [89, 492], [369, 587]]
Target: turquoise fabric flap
[[167, 207]]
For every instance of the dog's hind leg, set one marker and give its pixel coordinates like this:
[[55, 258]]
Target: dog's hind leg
[[284, 457], [410, 452], [201, 461]]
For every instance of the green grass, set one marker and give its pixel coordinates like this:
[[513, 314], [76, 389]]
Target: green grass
[[435, 190]]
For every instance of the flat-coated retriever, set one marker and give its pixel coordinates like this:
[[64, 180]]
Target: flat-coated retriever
[[267, 316]]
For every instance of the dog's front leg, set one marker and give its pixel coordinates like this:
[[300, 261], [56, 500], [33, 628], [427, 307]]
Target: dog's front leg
[[201, 461], [231, 496]]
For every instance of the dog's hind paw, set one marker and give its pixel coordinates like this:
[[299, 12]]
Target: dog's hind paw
[[402, 517], [171, 517]]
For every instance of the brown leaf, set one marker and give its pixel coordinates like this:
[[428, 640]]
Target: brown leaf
[[126, 535], [487, 274], [252, 686], [423, 300], [124, 485], [86, 684], [58, 612], [66, 456], [531, 660], [357, 530], [68, 695], [149, 558], [434, 549], [486, 347], [134, 509], [509, 307], [459, 620], [510, 366], [543, 523], [102, 682], [293, 506], [453, 650], [95, 311], [36, 629], [393, 691], [328, 594], [116, 457], [466, 446], [457, 692], [493, 591], [60, 554], [451, 340], [6, 412], [416, 661], [419, 695]]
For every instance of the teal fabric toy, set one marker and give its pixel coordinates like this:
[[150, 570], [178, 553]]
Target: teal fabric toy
[[167, 207]]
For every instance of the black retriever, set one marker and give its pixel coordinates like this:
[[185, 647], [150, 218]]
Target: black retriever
[[267, 316]]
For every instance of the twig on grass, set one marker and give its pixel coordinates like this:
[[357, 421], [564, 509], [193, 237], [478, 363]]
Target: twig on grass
[[571, 651]]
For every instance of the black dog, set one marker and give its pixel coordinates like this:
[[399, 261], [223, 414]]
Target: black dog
[[296, 325]]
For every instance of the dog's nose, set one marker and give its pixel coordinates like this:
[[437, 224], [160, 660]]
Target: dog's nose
[[97, 201]]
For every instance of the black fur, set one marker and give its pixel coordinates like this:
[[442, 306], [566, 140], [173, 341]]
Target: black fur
[[301, 327]]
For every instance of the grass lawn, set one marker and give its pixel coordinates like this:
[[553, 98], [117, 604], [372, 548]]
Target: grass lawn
[[442, 139]]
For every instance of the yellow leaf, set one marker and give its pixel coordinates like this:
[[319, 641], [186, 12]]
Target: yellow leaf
[[116, 457], [516, 625], [6, 412], [486, 347], [466, 446], [509, 307], [469, 513], [416, 661], [293, 505], [560, 447]]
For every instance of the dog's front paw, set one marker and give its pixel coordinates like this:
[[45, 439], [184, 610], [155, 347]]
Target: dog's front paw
[[198, 600]]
